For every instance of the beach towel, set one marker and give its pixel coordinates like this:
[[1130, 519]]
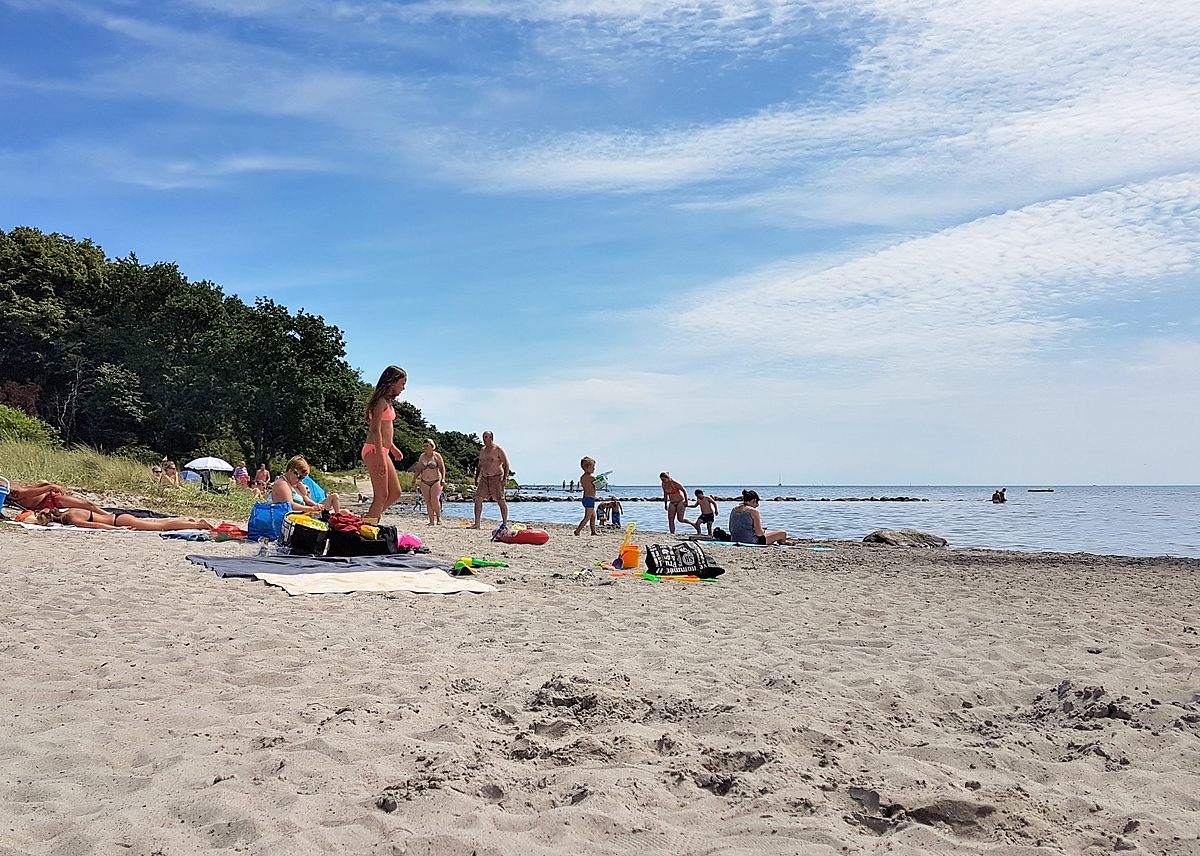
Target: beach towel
[[339, 575], [251, 566], [416, 582]]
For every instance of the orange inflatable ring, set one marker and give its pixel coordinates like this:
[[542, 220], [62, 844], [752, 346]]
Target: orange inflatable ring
[[522, 536]]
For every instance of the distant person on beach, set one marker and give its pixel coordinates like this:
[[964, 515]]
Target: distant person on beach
[[380, 447], [571, 486], [708, 510], [42, 495], [103, 520], [262, 478], [587, 483], [491, 478], [745, 524], [241, 475], [170, 474], [999, 497], [290, 487], [431, 474], [675, 501]]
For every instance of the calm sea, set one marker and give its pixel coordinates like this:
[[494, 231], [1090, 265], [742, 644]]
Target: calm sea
[[1117, 520]]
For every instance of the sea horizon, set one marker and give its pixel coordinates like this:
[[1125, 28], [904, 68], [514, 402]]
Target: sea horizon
[[1121, 520]]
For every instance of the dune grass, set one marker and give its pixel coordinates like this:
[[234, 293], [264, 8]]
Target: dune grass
[[87, 469]]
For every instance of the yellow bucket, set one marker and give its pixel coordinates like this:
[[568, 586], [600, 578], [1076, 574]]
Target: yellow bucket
[[631, 556]]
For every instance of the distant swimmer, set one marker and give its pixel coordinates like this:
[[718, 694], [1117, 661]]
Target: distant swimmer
[[999, 497]]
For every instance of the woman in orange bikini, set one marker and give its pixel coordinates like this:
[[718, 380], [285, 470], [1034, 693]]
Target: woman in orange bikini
[[103, 520], [385, 484], [431, 474]]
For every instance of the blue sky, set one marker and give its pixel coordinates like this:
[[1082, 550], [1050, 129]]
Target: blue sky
[[890, 242]]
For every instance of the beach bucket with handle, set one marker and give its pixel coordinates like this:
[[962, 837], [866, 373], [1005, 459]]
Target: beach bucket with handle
[[4, 488], [630, 555]]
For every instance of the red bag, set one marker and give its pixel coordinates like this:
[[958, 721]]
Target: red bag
[[345, 521]]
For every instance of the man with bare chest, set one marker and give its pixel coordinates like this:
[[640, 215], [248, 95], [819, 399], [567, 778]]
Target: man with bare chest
[[490, 478]]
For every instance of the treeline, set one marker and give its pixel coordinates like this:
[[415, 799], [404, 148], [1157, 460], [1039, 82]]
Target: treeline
[[138, 359]]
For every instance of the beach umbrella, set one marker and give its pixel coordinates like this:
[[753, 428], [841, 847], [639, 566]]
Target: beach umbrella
[[210, 464]]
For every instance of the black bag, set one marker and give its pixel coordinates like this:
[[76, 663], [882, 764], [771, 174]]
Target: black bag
[[353, 544], [684, 559], [303, 536]]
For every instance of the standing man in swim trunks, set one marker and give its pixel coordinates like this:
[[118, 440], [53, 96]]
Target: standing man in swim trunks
[[491, 476]]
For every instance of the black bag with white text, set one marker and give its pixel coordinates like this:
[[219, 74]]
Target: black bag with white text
[[684, 559]]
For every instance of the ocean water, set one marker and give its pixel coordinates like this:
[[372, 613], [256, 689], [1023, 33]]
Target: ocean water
[[1112, 520]]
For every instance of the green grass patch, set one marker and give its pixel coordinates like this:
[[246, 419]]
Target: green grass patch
[[87, 469]]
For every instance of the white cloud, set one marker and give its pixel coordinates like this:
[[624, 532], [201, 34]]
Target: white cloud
[[975, 294], [948, 108]]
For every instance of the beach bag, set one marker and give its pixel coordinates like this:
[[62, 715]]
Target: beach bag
[[351, 542], [266, 520], [684, 559], [302, 535]]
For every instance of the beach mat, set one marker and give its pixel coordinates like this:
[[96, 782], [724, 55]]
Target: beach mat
[[417, 582], [341, 575], [255, 566]]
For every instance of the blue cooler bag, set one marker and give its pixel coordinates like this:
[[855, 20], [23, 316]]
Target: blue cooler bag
[[266, 520]]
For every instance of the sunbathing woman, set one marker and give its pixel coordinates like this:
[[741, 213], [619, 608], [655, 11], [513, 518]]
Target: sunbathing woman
[[103, 520], [675, 501], [41, 495], [290, 487]]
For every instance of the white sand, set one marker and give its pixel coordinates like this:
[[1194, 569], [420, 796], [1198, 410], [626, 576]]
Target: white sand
[[863, 700]]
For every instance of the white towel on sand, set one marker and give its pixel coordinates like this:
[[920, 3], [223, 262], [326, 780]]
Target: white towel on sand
[[418, 582]]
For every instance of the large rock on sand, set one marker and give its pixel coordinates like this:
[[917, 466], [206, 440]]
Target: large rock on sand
[[904, 538]]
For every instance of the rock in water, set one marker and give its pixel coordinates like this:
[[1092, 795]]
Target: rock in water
[[904, 538]]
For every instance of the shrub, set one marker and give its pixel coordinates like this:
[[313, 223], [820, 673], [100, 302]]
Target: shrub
[[18, 426]]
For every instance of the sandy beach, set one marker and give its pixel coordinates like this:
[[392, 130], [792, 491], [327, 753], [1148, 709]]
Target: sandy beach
[[859, 700]]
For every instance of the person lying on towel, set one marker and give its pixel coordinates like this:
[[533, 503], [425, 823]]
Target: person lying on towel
[[101, 519], [44, 494]]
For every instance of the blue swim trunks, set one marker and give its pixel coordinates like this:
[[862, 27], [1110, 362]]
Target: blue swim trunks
[[589, 502], [616, 518]]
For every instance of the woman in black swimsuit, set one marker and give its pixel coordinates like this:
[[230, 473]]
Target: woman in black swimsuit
[[103, 520]]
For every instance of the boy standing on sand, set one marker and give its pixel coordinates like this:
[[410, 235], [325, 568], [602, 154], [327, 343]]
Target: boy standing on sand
[[588, 483], [708, 510]]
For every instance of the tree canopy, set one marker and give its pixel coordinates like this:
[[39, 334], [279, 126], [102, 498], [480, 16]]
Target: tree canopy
[[117, 354]]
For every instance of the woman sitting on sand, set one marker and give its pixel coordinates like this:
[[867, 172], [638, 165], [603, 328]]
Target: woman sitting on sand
[[290, 487], [103, 520], [745, 524], [43, 495], [169, 474]]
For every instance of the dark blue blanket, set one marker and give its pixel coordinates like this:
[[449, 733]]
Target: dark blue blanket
[[248, 566]]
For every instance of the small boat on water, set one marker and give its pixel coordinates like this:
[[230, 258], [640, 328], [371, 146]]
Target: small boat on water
[[1040, 490]]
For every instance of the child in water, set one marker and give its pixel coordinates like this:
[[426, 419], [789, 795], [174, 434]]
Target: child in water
[[588, 483]]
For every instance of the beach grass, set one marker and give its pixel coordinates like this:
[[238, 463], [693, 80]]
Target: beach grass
[[83, 468]]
